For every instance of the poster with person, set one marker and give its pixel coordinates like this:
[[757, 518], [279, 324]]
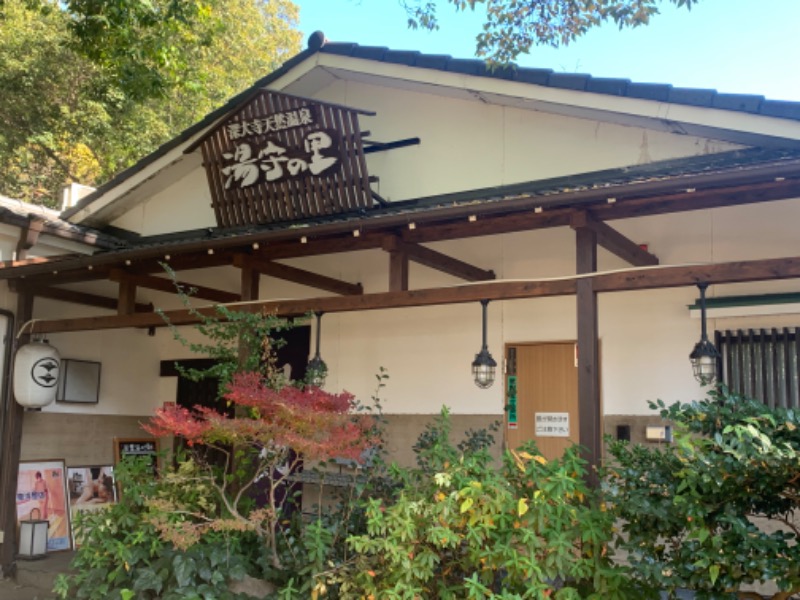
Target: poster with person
[[42, 495], [90, 488]]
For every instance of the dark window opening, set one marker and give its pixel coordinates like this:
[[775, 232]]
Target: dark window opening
[[762, 364]]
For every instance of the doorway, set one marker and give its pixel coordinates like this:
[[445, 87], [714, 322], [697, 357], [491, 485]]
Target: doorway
[[542, 396]]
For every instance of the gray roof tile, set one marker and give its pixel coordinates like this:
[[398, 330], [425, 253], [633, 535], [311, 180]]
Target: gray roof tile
[[738, 102], [609, 86], [536, 76], [780, 108], [569, 81], [649, 91], [692, 96]]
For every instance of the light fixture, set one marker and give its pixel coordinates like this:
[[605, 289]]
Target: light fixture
[[483, 367], [317, 369], [33, 536], [37, 365], [704, 357]]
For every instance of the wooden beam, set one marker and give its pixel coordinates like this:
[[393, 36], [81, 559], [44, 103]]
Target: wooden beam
[[11, 441], [618, 281], [301, 276], [250, 283], [517, 213], [29, 235], [522, 216], [398, 271], [163, 284], [437, 260], [77, 297], [127, 297], [589, 412], [317, 246], [612, 240]]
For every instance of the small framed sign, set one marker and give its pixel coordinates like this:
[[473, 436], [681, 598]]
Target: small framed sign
[[146, 448], [79, 382]]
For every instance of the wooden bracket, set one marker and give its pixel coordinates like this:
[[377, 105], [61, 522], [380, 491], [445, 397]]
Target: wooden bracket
[[437, 260], [162, 284], [296, 275], [612, 240]]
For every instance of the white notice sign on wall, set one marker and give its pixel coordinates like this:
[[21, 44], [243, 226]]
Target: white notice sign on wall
[[552, 424]]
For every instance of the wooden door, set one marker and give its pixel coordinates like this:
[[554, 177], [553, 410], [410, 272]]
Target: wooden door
[[542, 396]]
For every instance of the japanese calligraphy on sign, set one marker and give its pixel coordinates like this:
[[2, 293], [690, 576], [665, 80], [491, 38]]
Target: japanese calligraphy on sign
[[284, 158], [275, 162], [511, 406], [271, 123], [142, 448], [552, 424]]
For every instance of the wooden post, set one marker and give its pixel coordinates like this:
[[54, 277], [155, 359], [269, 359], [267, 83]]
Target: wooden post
[[9, 459], [126, 298], [398, 271], [589, 409]]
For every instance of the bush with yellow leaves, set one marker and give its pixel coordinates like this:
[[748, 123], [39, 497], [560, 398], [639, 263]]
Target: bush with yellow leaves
[[460, 527]]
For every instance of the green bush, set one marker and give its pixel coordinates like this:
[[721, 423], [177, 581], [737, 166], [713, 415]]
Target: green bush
[[122, 556], [694, 511], [460, 527]]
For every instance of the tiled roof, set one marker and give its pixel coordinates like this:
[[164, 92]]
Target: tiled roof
[[547, 77], [661, 92]]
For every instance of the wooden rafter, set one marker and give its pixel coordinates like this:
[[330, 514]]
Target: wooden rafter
[[163, 284], [612, 240], [301, 276], [617, 281], [437, 260]]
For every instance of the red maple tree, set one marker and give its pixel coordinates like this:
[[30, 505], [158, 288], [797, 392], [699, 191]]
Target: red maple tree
[[279, 429]]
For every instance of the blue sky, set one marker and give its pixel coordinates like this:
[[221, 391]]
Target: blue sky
[[736, 46]]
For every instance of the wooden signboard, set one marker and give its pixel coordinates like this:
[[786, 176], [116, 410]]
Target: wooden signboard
[[285, 158], [137, 447]]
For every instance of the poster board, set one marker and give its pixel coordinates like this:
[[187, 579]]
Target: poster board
[[42, 493], [90, 488]]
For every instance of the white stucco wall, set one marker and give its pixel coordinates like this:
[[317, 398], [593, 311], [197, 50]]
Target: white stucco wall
[[465, 145]]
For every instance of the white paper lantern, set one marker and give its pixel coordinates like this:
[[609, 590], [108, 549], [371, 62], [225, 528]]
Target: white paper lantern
[[36, 369]]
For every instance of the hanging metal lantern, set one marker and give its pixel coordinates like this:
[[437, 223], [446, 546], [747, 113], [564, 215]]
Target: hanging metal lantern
[[36, 369]]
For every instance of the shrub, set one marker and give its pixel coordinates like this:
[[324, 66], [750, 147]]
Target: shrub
[[122, 556], [692, 510], [460, 527]]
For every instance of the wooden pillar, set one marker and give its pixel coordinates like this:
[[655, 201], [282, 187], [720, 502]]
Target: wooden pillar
[[398, 271], [9, 459], [250, 281], [589, 408], [126, 298]]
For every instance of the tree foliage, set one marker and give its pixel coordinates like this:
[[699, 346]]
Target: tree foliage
[[91, 86], [513, 27], [716, 510]]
